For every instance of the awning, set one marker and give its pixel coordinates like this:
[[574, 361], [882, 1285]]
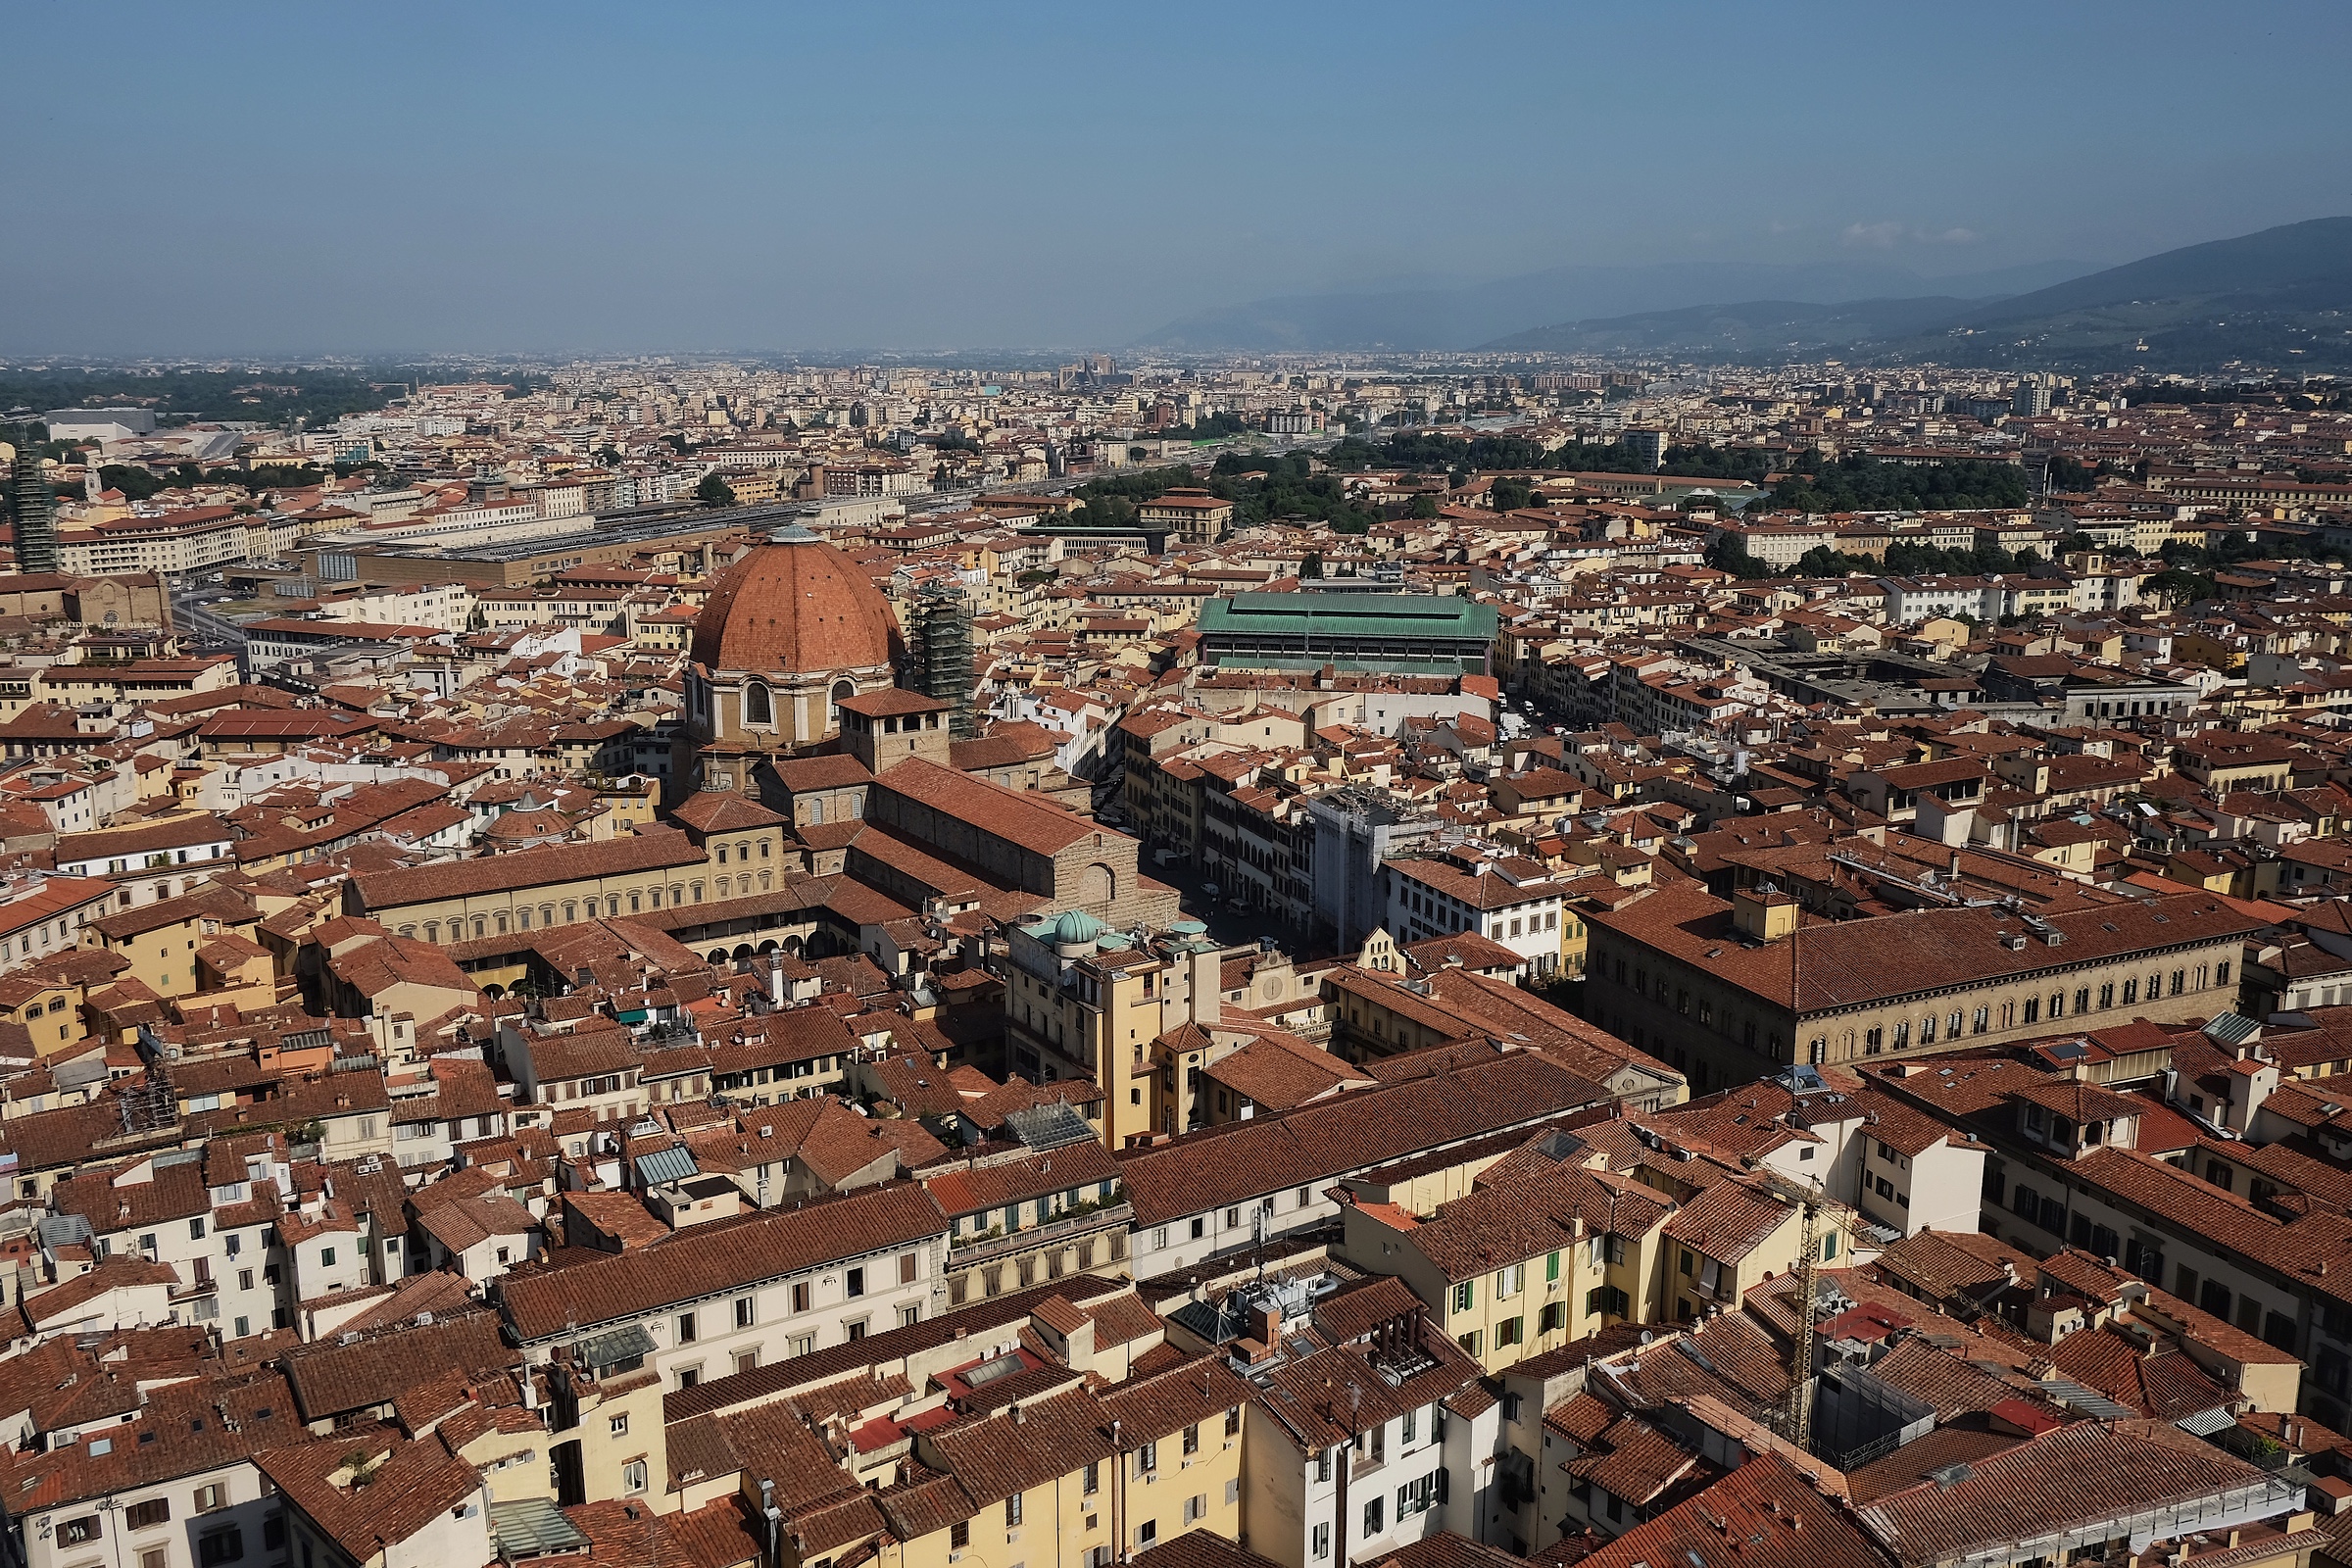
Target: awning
[[532, 1527], [631, 1344]]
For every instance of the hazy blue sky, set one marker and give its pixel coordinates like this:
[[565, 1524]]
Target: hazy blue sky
[[411, 176]]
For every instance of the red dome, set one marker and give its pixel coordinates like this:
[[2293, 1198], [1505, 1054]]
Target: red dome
[[796, 605]]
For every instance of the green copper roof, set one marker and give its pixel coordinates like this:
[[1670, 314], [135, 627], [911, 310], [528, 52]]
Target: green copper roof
[[1340, 616]]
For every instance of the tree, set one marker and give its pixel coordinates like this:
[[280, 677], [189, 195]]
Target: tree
[[1311, 566], [135, 483], [2069, 473], [1728, 552], [1424, 507], [1862, 484], [2178, 587], [715, 491], [1511, 494]]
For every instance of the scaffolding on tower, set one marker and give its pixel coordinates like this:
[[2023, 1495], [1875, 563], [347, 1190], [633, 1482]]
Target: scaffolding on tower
[[942, 649], [32, 506]]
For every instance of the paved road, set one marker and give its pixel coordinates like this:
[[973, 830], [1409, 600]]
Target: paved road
[[197, 621], [1228, 926]]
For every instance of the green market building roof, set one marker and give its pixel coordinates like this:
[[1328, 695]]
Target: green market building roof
[[1420, 633]]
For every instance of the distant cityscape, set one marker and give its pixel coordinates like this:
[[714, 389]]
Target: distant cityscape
[[1269, 787], [1280, 959]]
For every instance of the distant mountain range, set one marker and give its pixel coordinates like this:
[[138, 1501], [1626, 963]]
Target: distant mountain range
[[1753, 329], [2281, 297], [1437, 318]]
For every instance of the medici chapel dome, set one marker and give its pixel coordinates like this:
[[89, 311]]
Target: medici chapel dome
[[795, 606]]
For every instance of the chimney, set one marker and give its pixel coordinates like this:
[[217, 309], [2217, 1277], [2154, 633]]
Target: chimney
[[1763, 913]]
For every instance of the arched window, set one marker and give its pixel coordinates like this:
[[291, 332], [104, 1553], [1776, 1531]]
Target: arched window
[[765, 881], [842, 691], [758, 709], [816, 811], [502, 925], [572, 911], [613, 907], [432, 931], [726, 885], [481, 928], [697, 892], [547, 915], [633, 904]]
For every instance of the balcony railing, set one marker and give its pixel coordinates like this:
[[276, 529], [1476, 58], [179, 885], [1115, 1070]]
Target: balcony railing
[[965, 1252]]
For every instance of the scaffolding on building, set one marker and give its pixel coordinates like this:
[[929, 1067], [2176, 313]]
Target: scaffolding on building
[[942, 623], [32, 506]]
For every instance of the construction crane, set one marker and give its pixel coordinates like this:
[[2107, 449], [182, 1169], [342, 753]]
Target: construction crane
[[1807, 1198]]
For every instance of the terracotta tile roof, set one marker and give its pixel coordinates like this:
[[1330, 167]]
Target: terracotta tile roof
[[2076, 1476], [981, 1187], [1536, 1212], [1842, 964], [408, 1486], [1728, 1221], [1766, 1507], [1199, 1548], [1954, 1386], [552, 1304], [330, 1378], [1026, 1446], [1019, 819], [723, 812], [656, 848], [193, 1412], [1278, 1073], [1192, 1392], [1635, 1461], [1358, 1131]]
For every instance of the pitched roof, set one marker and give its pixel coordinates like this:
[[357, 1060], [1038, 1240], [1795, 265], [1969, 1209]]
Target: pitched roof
[[654, 849], [1829, 965], [1019, 819], [551, 1303], [2074, 1476], [1762, 1516], [1358, 1130]]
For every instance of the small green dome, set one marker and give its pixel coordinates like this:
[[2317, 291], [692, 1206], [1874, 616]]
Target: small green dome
[[1075, 926]]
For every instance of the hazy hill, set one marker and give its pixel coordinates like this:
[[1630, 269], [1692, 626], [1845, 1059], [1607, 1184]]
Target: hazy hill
[[1755, 329], [1437, 318], [2279, 297]]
